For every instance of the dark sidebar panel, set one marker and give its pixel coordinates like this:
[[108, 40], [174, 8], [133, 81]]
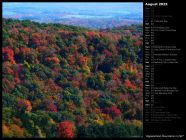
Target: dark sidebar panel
[[163, 72]]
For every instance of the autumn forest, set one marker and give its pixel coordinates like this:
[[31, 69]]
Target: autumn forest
[[70, 81]]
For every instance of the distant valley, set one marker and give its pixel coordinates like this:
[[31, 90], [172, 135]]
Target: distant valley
[[97, 16]]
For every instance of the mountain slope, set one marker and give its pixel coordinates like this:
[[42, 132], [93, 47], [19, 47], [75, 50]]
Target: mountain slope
[[67, 81]]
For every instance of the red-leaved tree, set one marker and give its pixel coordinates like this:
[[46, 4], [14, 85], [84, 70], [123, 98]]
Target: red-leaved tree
[[128, 84], [54, 59], [137, 43], [51, 107], [65, 129], [113, 111], [8, 54]]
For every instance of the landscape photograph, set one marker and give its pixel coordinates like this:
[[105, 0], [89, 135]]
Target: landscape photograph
[[72, 69]]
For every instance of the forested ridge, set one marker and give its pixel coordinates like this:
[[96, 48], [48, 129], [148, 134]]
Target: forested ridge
[[68, 81]]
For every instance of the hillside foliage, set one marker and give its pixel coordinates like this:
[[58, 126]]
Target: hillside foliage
[[67, 81]]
